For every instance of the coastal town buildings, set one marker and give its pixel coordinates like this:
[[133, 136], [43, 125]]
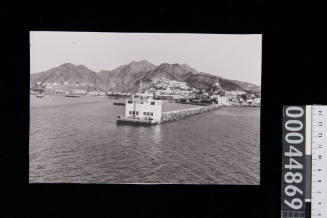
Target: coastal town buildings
[[257, 100], [159, 89], [235, 93], [79, 92], [96, 93]]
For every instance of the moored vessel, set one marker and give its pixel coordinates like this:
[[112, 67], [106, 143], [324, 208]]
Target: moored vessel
[[72, 96], [141, 110], [119, 103], [40, 95]]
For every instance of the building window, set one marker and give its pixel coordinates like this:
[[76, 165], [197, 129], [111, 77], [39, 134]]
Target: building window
[[144, 113], [151, 114], [129, 102], [137, 113], [133, 112], [130, 112], [152, 103]]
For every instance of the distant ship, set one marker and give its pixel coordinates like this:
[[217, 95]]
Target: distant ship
[[72, 96], [119, 103], [40, 95], [112, 97]]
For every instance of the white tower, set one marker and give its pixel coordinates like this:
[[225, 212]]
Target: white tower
[[217, 83]]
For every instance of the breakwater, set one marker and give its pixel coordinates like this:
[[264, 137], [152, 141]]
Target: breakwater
[[171, 116]]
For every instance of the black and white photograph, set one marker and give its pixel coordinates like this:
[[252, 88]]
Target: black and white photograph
[[144, 108]]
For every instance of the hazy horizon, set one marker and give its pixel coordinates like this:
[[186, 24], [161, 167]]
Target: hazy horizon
[[234, 57]]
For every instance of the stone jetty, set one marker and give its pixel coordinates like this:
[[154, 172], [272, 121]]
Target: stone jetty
[[170, 116]]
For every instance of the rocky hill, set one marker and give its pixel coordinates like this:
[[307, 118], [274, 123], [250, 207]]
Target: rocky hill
[[71, 73], [127, 77], [247, 86]]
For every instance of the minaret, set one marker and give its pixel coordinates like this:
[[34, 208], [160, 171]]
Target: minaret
[[217, 84]]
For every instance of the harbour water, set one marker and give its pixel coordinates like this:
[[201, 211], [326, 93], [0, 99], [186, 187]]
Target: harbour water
[[76, 140]]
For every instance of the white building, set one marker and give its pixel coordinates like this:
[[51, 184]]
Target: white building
[[223, 100], [257, 100], [143, 108], [176, 84], [235, 93], [79, 92], [97, 93]]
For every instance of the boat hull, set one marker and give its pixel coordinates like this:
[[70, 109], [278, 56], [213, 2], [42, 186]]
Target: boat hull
[[135, 122], [72, 96], [119, 103]]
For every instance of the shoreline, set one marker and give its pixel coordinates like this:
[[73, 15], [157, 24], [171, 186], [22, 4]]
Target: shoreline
[[164, 101]]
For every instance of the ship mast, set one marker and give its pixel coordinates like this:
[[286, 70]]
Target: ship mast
[[140, 90]]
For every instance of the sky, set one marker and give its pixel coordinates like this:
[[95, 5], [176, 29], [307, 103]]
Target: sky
[[231, 56]]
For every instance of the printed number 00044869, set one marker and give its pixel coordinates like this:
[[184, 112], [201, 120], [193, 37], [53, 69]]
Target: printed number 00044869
[[293, 169]]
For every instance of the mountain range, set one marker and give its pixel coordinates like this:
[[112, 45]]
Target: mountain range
[[126, 78]]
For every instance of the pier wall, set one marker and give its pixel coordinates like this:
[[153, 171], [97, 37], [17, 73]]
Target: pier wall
[[171, 116]]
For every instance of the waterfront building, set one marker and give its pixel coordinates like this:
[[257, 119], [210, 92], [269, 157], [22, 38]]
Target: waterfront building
[[143, 108], [257, 100], [223, 100], [144, 95], [79, 92], [96, 93], [100, 93], [59, 91], [164, 97]]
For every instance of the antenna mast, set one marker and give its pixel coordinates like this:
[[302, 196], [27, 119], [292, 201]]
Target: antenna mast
[[140, 89]]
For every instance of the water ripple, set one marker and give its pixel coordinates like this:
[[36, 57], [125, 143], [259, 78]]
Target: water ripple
[[77, 141]]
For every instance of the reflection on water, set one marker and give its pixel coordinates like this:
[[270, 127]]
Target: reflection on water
[[77, 140], [156, 134]]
